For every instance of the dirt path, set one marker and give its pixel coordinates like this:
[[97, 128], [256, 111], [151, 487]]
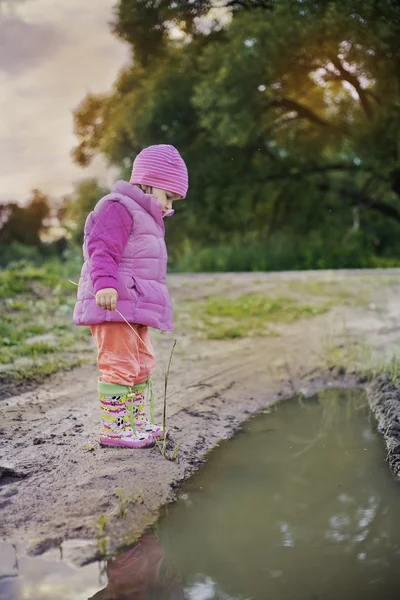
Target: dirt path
[[54, 487]]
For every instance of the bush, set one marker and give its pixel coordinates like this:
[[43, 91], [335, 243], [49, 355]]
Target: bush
[[16, 252], [20, 276], [282, 253]]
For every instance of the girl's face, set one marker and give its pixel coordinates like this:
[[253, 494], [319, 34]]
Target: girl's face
[[165, 198]]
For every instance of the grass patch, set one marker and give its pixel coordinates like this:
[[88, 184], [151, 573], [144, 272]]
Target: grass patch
[[101, 537], [357, 357], [36, 349], [351, 355], [260, 306], [23, 278], [392, 368], [9, 354], [11, 285], [15, 282], [34, 302], [16, 305], [38, 370], [13, 335], [216, 328], [218, 331], [336, 291], [33, 329], [248, 315], [125, 501]]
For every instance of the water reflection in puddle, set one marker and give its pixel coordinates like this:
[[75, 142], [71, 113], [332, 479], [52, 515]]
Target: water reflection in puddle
[[299, 505]]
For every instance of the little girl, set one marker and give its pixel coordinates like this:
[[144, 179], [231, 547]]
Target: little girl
[[124, 272]]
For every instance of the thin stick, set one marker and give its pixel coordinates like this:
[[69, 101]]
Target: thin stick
[[165, 389]]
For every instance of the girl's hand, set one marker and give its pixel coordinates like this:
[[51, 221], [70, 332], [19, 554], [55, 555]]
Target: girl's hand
[[107, 298]]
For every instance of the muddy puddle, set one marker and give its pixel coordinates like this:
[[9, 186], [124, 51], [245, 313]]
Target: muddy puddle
[[299, 505]]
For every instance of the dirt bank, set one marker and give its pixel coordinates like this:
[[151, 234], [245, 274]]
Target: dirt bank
[[56, 482], [384, 400]]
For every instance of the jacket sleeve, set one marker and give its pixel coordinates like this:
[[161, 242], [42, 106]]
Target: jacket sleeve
[[106, 243]]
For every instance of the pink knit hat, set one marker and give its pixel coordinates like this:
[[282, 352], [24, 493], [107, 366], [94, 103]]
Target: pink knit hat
[[162, 167]]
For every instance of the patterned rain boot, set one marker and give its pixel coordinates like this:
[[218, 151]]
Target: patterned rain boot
[[117, 427], [135, 404]]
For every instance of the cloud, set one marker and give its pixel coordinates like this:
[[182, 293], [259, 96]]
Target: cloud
[[24, 45], [38, 97]]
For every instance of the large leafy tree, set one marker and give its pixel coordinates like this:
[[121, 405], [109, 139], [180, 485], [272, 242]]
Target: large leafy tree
[[287, 112]]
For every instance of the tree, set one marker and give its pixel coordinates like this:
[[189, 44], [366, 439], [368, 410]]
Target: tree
[[147, 25], [287, 113], [24, 224]]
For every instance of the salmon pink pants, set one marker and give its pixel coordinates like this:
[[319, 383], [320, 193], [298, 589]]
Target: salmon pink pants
[[122, 358]]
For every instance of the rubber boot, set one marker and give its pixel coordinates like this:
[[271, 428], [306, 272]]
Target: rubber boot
[[117, 427], [135, 404]]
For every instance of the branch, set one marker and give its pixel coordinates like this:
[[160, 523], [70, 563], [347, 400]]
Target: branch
[[345, 75], [315, 170], [248, 4], [303, 111], [352, 79], [236, 3], [360, 198], [385, 209]]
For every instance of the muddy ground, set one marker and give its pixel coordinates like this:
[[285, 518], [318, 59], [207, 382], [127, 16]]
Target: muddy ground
[[57, 484]]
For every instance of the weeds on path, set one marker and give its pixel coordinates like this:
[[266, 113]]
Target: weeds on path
[[356, 356], [125, 501]]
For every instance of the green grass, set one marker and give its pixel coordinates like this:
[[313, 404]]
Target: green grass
[[356, 356], [125, 501], [216, 331], [36, 349], [16, 304], [33, 329], [34, 302], [38, 370], [16, 331], [9, 354], [248, 315], [101, 537], [21, 281], [339, 292], [11, 284], [260, 306], [24, 278]]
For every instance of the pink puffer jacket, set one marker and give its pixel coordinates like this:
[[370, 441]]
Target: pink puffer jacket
[[143, 297]]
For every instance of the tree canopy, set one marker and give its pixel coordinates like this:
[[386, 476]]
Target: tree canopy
[[287, 113]]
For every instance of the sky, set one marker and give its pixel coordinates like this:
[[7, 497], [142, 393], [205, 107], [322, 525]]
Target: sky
[[52, 53]]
